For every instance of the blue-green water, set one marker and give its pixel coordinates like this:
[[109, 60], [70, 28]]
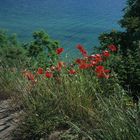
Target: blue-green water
[[70, 21]]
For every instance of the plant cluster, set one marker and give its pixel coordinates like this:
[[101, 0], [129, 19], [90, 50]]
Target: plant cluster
[[126, 63], [82, 100], [92, 62]]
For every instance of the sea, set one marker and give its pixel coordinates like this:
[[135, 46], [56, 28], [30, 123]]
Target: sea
[[71, 22]]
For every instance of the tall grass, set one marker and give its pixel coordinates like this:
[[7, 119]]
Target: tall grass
[[86, 105], [78, 106]]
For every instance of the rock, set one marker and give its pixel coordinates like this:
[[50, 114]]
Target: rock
[[55, 135]]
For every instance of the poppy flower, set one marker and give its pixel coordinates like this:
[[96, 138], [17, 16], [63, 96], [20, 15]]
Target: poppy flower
[[84, 66], [82, 50], [49, 74], [59, 50], [40, 71], [113, 48], [106, 53], [72, 71], [91, 56], [80, 47], [80, 61], [106, 71], [93, 62], [98, 58], [101, 72], [60, 65], [103, 75], [99, 69]]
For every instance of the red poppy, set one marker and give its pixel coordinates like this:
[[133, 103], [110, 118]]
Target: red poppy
[[103, 75], [106, 71], [98, 58], [106, 53], [91, 56], [82, 50], [99, 69], [84, 66], [59, 50], [60, 65], [80, 61], [93, 62], [49, 74], [40, 71], [113, 48], [101, 72], [72, 71]]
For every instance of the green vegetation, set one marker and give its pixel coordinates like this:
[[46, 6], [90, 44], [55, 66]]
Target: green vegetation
[[127, 64], [96, 97], [131, 19], [80, 107]]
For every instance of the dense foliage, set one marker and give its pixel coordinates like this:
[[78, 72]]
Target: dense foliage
[[131, 19], [127, 64], [39, 52]]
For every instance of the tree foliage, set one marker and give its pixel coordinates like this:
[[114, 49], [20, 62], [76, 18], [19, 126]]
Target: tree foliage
[[42, 49], [12, 54], [39, 52], [131, 19], [127, 65]]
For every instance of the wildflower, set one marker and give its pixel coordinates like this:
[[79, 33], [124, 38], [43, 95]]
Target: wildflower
[[98, 58], [49, 74], [106, 71], [106, 53], [101, 72], [91, 56], [113, 48], [84, 66], [82, 50], [80, 61], [93, 62], [40, 71], [72, 71], [99, 69], [60, 65], [59, 50], [103, 75]]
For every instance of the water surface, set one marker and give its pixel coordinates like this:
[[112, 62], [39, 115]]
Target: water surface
[[70, 21]]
